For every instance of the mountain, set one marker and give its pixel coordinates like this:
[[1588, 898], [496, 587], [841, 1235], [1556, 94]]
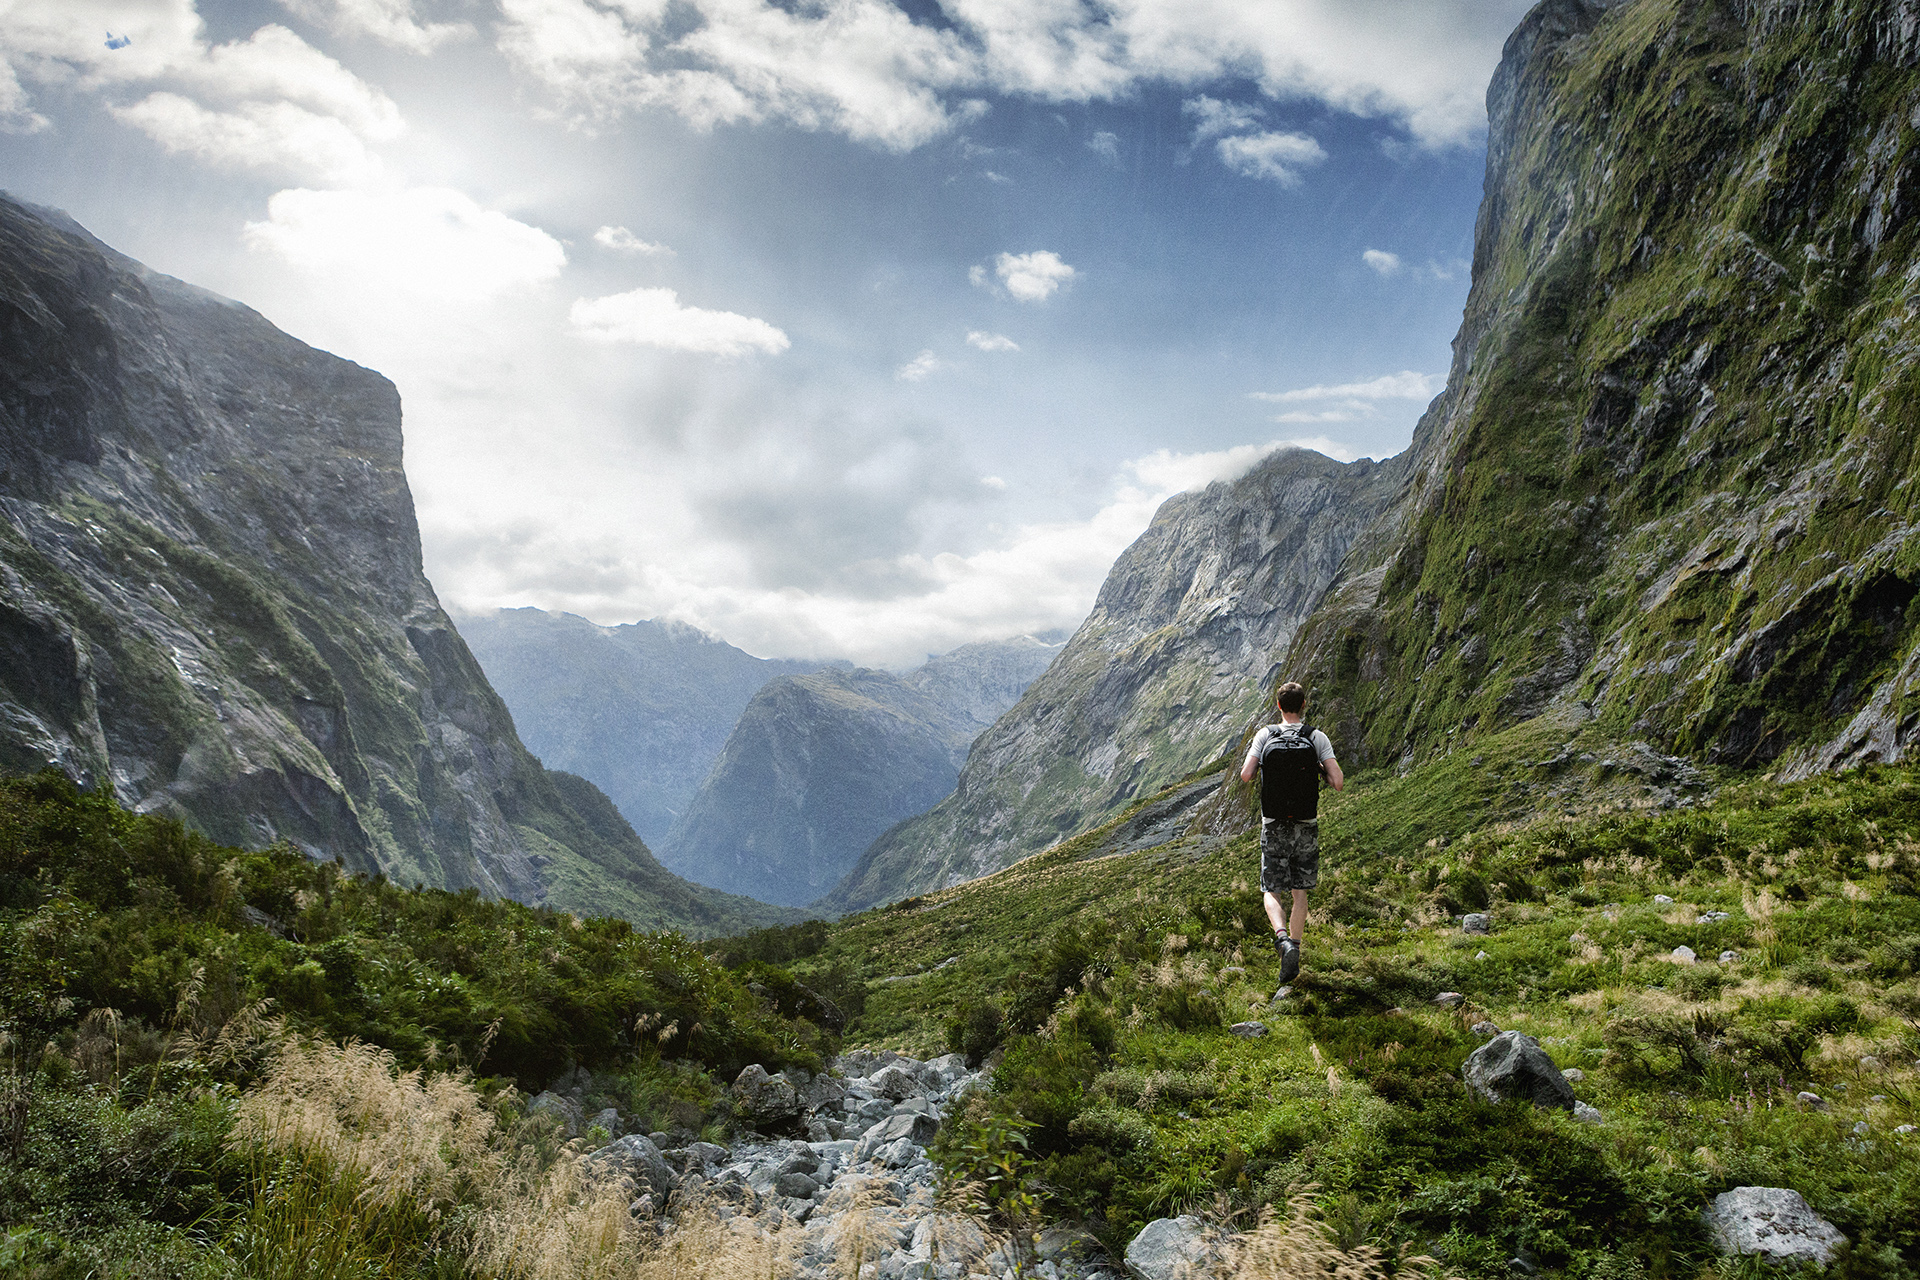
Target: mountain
[[212, 602], [1668, 494], [642, 709], [1156, 682], [820, 764]]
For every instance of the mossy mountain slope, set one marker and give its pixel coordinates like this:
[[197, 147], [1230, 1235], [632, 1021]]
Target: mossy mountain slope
[[1669, 486], [1181, 642], [211, 600]]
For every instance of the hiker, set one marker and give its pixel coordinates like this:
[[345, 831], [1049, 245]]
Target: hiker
[[1291, 757]]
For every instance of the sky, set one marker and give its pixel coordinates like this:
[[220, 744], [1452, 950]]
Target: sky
[[837, 328]]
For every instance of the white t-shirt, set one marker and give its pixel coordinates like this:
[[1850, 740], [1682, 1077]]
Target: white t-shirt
[[1322, 746]]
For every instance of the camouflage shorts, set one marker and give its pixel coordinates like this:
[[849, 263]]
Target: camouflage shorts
[[1289, 856]]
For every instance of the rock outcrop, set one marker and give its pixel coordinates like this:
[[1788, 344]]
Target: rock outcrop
[[1774, 1223], [1181, 647], [211, 600], [642, 710], [819, 765], [1667, 493]]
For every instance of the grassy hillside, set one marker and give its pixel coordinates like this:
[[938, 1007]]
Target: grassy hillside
[[1107, 983], [158, 989]]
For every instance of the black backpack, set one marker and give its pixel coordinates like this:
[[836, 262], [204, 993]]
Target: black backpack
[[1290, 775]]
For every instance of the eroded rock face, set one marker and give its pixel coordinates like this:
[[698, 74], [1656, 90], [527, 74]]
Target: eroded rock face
[[1577, 504], [211, 599], [1513, 1066], [1775, 1223]]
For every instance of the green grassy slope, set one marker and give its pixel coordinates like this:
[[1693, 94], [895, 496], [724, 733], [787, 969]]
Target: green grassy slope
[[1109, 982]]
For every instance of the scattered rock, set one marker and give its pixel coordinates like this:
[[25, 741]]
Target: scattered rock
[[607, 1121], [1903, 1128], [1449, 999], [1586, 1113], [1281, 994], [1714, 917], [1662, 899], [1479, 955], [1249, 1030], [1485, 1030], [1683, 955], [1573, 1075], [763, 1101], [1813, 1100], [1476, 922], [561, 1108], [1729, 957], [1512, 1065], [1774, 1222], [1870, 1063], [1171, 1249], [636, 1158]]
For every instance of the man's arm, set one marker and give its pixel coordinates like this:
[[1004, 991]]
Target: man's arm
[[1248, 769], [1334, 775]]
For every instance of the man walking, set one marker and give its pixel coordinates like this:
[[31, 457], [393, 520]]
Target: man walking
[[1291, 758]]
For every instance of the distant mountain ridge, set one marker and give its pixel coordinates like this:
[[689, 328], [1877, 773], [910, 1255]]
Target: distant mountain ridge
[[212, 601], [643, 708], [821, 764]]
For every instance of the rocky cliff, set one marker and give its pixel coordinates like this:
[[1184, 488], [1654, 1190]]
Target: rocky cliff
[[1668, 492], [821, 764], [211, 600], [1181, 646], [641, 709]]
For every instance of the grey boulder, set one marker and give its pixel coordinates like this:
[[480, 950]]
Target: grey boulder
[[1476, 922], [635, 1157], [562, 1108], [913, 1126], [1249, 1030], [1774, 1222], [1513, 1066], [1172, 1249], [765, 1101]]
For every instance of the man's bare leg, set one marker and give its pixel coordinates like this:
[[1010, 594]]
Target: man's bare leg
[[1299, 930], [1275, 916]]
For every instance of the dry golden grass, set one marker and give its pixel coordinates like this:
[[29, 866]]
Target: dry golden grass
[[1297, 1245], [405, 1138]]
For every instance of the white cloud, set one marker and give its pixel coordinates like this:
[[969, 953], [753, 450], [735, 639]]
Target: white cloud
[[1029, 277], [1351, 411], [389, 21], [1106, 146], [993, 482], [655, 318], [863, 68], [1214, 118], [1387, 264], [270, 101], [429, 241], [621, 240], [277, 137], [919, 367], [15, 115], [981, 340], [1277, 157], [1406, 385]]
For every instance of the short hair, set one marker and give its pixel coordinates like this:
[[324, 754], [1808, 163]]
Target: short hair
[[1292, 697]]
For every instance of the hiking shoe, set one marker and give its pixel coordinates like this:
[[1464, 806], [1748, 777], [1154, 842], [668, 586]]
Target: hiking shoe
[[1289, 960], [1280, 944]]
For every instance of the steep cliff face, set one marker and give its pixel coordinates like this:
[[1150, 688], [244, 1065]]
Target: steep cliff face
[[642, 709], [1668, 490], [820, 764], [1181, 646], [211, 599]]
